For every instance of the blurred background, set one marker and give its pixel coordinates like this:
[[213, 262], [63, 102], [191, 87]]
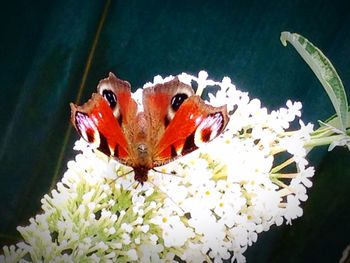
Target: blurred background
[[55, 52]]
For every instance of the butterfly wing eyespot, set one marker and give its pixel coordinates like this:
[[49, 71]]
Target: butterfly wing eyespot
[[117, 93], [96, 123], [110, 97], [209, 128], [160, 103], [194, 124], [86, 128], [112, 101], [176, 101]]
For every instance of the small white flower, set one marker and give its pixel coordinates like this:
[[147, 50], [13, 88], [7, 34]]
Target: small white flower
[[343, 141], [116, 245], [305, 130], [185, 78], [132, 254], [193, 253], [126, 239], [154, 238], [111, 230], [126, 227], [145, 228], [294, 108], [304, 176], [150, 252], [293, 209], [299, 190], [175, 233]]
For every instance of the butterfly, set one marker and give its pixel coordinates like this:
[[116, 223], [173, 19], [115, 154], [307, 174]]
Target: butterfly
[[171, 122]]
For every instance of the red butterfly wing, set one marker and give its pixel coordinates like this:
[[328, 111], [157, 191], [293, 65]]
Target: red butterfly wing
[[104, 119], [193, 124], [117, 93], [157, 108], [179, 122], [96, 123]]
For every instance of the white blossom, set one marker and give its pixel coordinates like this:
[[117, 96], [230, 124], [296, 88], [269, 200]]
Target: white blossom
[[221, 197]]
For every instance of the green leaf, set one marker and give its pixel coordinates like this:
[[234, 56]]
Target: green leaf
[[324, 71], [334, 121]]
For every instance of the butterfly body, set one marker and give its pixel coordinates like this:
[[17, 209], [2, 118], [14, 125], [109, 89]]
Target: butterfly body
[[170, 122]]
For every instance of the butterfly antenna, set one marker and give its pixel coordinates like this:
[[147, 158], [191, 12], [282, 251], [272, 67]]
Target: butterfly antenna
[[122, 175], [171, 173], [170, 198]]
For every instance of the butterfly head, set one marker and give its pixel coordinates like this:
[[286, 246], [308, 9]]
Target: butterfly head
[[141, 174]]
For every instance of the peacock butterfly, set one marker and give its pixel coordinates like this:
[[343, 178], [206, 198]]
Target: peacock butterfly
[[171, 122]]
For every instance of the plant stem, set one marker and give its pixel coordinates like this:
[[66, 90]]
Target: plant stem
[[289, 176], [313, 142], [282, 165]]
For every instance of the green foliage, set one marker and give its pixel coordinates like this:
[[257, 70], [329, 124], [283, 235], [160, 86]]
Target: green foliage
[[324, 71]]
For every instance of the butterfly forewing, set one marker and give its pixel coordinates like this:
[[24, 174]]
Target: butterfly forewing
[[157, 103], [117, 93]]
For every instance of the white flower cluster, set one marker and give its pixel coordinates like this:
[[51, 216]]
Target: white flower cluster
[[221, 197]]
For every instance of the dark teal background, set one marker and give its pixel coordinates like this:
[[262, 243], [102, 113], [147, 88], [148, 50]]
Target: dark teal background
[[45, 47]]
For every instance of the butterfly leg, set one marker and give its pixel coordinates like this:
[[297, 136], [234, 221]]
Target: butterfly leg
[[124, 174]]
